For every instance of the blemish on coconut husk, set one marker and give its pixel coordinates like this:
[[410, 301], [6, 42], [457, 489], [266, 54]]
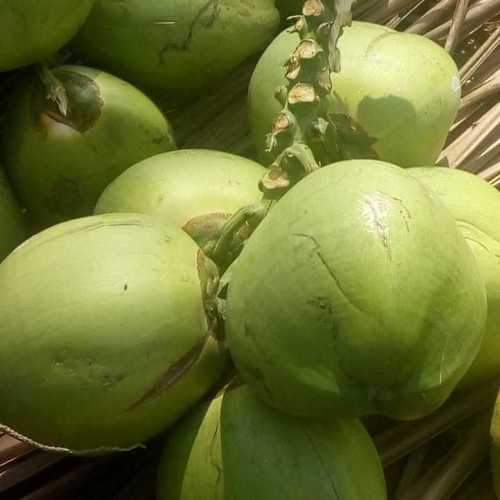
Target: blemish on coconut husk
[[375, 212], [205, 17], [172, 375], [84, 103], [328, 268]]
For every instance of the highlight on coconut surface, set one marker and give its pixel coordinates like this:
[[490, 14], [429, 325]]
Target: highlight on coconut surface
[[249, 249]]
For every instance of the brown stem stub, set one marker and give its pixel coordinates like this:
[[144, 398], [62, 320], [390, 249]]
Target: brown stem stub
[[313, 8], [299, 25], [308, 49], [324, 29], [302, 93], [292, 68], [275, 178], [283, 122]]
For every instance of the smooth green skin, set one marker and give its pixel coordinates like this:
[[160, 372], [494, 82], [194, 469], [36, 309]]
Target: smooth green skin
[[402, 89], [356, 295], [177, 48], [181, 185], [58, 171], [237, 448], [12, 224], [94, 313], [32, 30], [475, 205]]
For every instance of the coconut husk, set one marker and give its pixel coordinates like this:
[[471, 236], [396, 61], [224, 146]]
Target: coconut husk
[[470, 30]]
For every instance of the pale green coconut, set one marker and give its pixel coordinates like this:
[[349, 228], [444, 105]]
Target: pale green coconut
[[194, 189], [394, 99], [12, 224], [237, 448], [356, 295], [107, 333], [59, 165], [475, 205], [177, 48], [32, 30]]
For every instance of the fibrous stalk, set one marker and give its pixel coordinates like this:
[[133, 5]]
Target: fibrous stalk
[[303, 135]]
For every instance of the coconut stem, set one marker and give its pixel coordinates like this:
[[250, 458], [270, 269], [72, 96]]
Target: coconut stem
[[55, 89], [402, 439], [234, 232], [303, 135], [444, 478]]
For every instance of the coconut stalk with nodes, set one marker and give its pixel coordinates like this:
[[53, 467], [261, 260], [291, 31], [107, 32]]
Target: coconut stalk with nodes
[[303, 134]]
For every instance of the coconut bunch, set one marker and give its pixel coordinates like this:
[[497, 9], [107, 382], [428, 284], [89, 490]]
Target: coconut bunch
[[242, 264]]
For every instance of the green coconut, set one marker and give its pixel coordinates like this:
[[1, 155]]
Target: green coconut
[[32, 30], [237, 448], [356, 295], [394, 99], [107, 334], [177, 48], [197, 190], [59, 165], [12, 224], [475, 205]]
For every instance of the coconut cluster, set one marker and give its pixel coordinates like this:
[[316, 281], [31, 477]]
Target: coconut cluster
[[257, 310]]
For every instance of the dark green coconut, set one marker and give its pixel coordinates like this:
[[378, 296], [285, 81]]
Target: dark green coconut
[[32, 30], [177, 48]]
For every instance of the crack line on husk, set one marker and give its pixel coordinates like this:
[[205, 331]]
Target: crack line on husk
[[331, 273], [172, 375], [185, 45]]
